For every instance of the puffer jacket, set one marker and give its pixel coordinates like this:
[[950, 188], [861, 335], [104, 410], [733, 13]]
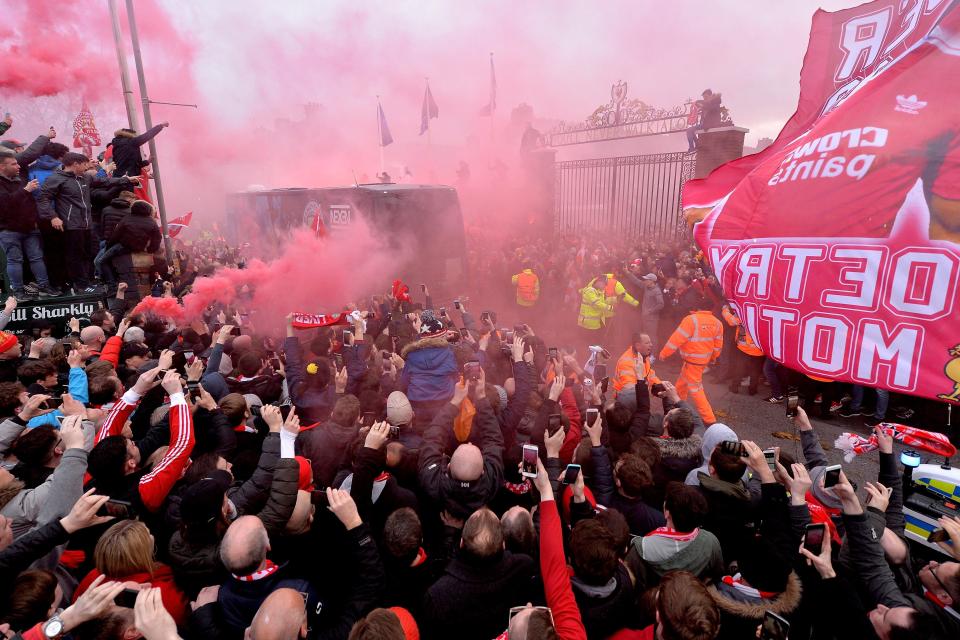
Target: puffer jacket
[[67, 196], [117, 210], [126, 150], [429, 371], [678, 457], [137, 233]]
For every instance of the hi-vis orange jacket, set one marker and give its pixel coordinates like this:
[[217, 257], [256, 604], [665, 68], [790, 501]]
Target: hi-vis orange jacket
[[744, 342], [528, 288], [626, 375], [698, 338]]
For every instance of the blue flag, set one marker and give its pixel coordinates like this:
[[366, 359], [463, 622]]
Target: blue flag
[[428, 110], [385, 137]]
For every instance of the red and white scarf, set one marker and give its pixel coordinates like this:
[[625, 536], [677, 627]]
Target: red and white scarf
[[737, 583], [269, 569], [853, 444], [315, 320], [667, 532]]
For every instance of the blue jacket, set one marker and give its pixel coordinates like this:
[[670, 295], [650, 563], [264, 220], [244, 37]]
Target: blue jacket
[[41, 170], [430, 370], [78, 390]]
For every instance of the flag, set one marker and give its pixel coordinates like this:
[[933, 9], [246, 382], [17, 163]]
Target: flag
[[840, 248], [319, 228], [491, 106], [844, 48], [385, 137], [175, 226], [428, 110], [85, 134]]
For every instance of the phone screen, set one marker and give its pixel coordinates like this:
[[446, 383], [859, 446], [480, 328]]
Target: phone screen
[[471, 371], [553, 423], [529, 465], [570, 474], [592, 415], [119, 509], [126, 598], [774, 627], [554, 352], [733, 448], [938, 535], [792, 403], [599, 372], [770, 455], [813, 540], [456, 304], [464, 332], [54, 403], [831, 476]]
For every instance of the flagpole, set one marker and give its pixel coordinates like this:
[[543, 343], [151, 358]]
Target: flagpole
[[492, 102], [429, 139], [380, 133]]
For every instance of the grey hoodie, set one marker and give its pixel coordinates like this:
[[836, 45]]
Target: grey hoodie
[[53, 499], [713, 436]]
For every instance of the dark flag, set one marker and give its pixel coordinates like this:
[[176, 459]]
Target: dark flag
[[385, 137], [428, 110], [491, 106]]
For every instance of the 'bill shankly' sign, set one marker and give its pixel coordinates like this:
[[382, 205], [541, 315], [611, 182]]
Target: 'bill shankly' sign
[[56, 311]]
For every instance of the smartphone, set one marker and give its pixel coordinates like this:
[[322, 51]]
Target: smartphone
[[456, 305], [369, 418], [193, 388], [604, 384], [394, 432], [831, 476], [126, 598], [506, 336], [657, 389], [813, 539], [774, 627], [423, 288], [119, 509], [570, 474], [599, 372], [54, 402], [255, 410], [792, 403], [319, 499], [734, 448], [938, 535], [275, 363], [770, 455], [484, 316], [60, 419], [464, 332], [592, 415], [528, 467], [554, 423], [471, 371], [554, 353], [443, 312], [347, 332], [339, 360], [189, 356], [235, 331]]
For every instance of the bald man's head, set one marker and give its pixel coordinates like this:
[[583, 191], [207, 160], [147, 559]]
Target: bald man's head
[[466, 463], [519, 533], [245, 545], [242, 343], [282, 616], [92, 336]]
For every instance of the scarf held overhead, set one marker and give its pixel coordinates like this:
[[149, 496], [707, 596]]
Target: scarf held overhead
[[853, 444]]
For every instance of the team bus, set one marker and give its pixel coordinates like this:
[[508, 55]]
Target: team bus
[[424, 220]]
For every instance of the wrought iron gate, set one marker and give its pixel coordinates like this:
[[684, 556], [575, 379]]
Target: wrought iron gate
[[631, 194]]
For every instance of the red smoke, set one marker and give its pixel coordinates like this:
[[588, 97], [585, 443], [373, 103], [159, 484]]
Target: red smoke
[[163, 307]]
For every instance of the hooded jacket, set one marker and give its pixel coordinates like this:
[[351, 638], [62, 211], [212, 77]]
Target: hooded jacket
[[67, 196], [18, 209], [713, 436], [326, 446], [126, 150], [137, 232], [429, 371], [741, 613], [117, 210], [680, 456]]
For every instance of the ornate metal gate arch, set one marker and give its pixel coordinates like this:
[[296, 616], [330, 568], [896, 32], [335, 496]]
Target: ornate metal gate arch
[[628, 194]]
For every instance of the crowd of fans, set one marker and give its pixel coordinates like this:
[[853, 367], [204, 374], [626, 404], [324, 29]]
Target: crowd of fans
[[69, 222], [407, 471]]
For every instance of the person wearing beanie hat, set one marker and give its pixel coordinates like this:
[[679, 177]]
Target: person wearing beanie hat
[[430, 369], [10, 356], [205, 501]]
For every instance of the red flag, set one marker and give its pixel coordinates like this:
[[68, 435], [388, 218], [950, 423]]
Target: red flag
[[840, 250], [175, 226], [845, 48], [85, 134], [318, 227]]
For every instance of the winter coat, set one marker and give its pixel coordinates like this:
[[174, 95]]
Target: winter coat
[[174, 600], [313, 404], [18, 209], [196, 564], [53, 499], [326, 446], [608, 608], [126, 150], [136, 233], [731, 514], [472, 600], [641, 517], [268, 388], [653, 556], [741, 614], [67, 196], [652, 301], [462, 499], [679, 457], [117, 210], [29, 155], [430, 370]]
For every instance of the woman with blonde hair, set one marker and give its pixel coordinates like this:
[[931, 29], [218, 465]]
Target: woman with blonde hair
[[125, 553]]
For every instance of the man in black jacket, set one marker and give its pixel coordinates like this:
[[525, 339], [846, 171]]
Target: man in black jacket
[[65, 201], [117, 210], [126, 149], [134, 233], [19, 235]]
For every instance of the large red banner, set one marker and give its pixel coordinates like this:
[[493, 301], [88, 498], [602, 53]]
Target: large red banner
[[840, 247]]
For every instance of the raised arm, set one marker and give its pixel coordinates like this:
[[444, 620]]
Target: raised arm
[[155, 486]]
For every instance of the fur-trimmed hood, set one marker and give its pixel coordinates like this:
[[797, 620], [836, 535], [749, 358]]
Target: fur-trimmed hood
[[124, 133], [685, 448], [736, 604], [436, 342]]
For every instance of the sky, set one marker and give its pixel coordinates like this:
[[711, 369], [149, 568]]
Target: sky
[[252, 66]]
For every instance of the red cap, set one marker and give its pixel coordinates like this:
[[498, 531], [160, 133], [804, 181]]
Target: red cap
[[305, 481], [7, 340]]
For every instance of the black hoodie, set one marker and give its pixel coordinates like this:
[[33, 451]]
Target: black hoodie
[[113, 213]]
